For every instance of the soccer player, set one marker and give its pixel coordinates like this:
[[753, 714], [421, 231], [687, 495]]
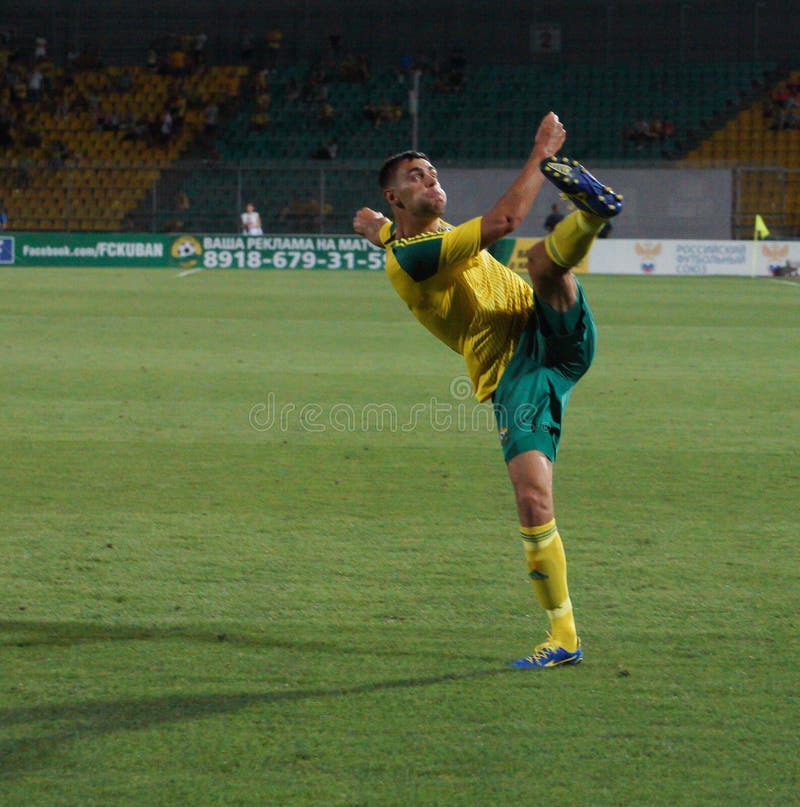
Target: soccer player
[[524, 348]]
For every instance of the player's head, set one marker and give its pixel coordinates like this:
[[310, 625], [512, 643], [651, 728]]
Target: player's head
[[389, 167], [409, 182]]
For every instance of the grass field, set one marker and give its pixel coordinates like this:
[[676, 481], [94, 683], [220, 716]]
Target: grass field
[[258, 549]]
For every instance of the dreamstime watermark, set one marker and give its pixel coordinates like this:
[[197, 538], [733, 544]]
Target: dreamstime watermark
[[462, 413]]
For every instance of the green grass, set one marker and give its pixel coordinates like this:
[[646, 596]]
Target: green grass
[[200, 608]]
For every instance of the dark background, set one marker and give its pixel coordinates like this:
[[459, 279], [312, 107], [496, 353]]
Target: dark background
[[494, 32]]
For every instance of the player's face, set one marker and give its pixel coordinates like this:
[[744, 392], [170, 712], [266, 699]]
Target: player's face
[[417, 189]]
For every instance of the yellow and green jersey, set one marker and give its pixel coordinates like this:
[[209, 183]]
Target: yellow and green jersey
[[462, 295]]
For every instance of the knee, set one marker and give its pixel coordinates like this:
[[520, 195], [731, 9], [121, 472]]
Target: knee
[[534, 503], [540, 265], [553, 283]]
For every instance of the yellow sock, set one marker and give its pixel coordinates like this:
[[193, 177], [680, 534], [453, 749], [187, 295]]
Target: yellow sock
[[572, 238], [547, 568]]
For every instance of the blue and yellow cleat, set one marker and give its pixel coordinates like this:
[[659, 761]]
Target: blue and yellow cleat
[[549, 654], [581, 188]]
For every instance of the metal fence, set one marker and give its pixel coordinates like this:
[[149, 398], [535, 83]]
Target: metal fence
[[772, 193], [311, 197], [307, 197]]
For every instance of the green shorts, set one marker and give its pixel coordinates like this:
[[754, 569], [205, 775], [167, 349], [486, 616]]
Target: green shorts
[[553, 352]]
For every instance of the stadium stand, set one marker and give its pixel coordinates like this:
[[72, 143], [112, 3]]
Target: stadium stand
[[90, 155], [488, 117], [486, 120], [763, 141], [86, 153]]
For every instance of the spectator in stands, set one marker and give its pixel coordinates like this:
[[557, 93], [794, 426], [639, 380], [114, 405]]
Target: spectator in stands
[[112, 120], [211, 120], [151, 126], [302, 215], [182, 202], [6, 123], [347, 67], [363, 72], [319, 82], [335, 44], [29, 137], [327, 151], [792, 119], [642, 130], [177, 108], [259, 120], [173, 225], [263, 101], [779, 100], [35, 84], [389, 111], [553, 218], [405, 66], [247, 49], [199, 50], [40, 49], [3, 216], [177, 62], [165, 131], [292, 90], [232, 90], [639, 132], [371, 113], [123, 82], [251, 220], [151, 62], [274, 46], [89, 58], [326, 114], [19, 89], [354, 68], [261, 81]]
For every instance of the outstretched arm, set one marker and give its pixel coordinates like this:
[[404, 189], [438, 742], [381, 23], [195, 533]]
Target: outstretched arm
[[512, 207], [368, 223]]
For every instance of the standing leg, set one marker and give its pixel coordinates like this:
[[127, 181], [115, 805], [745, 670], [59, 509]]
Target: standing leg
[[531, 474]]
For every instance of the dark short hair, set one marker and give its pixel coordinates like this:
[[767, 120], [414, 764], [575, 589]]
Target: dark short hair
[[387, 169]]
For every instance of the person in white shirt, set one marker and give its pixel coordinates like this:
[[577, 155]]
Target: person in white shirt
[[251, 221]]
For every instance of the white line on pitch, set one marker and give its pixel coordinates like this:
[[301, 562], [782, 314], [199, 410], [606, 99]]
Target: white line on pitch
[[189, 271]]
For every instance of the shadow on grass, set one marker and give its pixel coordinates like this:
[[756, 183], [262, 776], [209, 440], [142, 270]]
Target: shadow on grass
[[50, 726], [65, 723], [30, 633]]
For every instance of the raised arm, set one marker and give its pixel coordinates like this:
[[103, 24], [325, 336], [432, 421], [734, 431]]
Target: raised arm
[[512, 207], [368, 223]]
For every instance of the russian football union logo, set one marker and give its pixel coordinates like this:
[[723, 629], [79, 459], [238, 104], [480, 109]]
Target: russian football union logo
[[648, 253]]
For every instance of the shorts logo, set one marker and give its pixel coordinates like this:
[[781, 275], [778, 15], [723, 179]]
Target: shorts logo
[[7, 249], [503, 435]]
